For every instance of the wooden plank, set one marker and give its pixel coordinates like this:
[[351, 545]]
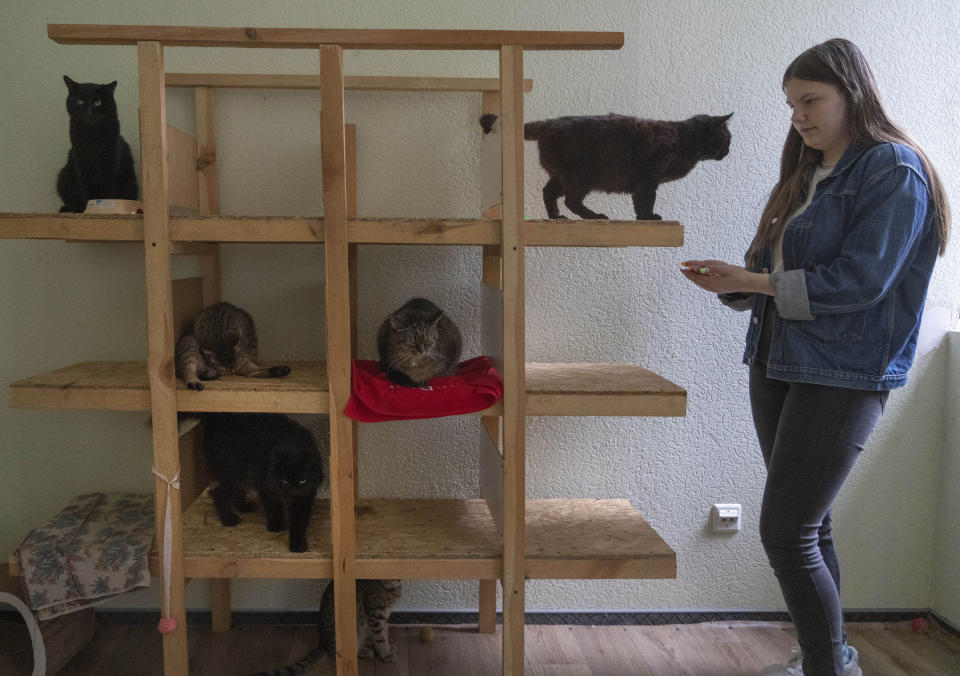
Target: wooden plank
[[310, 38], [492, 254], [418, 231], [337, 290], [350, 148], [603, 233], [208, 189], [552, 389], [514, 391], [350, 82], [124, 386], [160, 342], [220, 604], [487, 607], [182, 169]]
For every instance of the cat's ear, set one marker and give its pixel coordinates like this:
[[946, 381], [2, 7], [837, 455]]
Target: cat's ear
[[396, 323], [436, 320], [71, 85], [724, 118], [110, 87]]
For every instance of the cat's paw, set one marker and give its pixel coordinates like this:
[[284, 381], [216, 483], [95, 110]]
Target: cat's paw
[[602, 217], [278, 371], [247, 506], [208, 375], [298, 546], [558, 218], [389, 656], [276, 525], [656, 217], [364, 653], [194, 385], [229, 519]]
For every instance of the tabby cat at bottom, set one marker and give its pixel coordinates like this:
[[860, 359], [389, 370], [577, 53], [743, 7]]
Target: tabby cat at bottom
[[375, 599], [619, 154], [223, 340]]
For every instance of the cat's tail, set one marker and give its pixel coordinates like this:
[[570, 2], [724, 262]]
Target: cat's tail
[[304, 666], [531, 130]]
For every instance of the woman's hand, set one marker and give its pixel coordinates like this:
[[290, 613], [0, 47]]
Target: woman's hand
[[722, 277]]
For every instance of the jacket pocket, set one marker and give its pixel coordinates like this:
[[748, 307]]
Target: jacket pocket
[[833, 329]]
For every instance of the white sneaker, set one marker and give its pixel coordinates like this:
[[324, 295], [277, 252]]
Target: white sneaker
[[794, 666]]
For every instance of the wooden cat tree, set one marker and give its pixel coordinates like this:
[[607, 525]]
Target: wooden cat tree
[[499, 536]]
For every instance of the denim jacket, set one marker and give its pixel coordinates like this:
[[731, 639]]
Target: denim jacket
[[857, 264]]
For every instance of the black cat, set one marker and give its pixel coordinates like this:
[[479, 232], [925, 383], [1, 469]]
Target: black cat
[[100, 164], [268, 452], [619, 154]]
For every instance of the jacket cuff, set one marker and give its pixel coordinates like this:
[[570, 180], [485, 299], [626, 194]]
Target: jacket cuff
[[739, 301], [790, 290]]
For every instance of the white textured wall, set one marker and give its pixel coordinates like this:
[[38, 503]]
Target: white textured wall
[[946, 553], [418, 153]]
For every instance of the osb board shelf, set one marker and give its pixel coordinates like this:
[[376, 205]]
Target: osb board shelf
[[294, 229], [312, 38], [125, 386], [434, 539], [552, 389]]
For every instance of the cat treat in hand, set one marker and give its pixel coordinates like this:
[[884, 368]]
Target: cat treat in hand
[[693, 268], [418, 342], [223, 340], [619, 154]]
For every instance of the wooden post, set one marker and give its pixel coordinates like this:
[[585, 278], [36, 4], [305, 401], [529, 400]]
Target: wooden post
[[208, 175], [338, 356], [514, 358], [490, 275], [350, 131], [163, 396]]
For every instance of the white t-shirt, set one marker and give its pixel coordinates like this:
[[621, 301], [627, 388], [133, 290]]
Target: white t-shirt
[[821, 172]]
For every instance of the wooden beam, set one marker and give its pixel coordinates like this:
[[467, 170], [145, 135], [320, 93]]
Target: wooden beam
[[337, 291], [350, 131], [514, 394], [311, 38], [354, 83], [160, 342]]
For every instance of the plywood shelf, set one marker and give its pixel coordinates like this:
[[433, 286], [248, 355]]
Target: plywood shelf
[[434, 539], [552, 389], [293, 229], [124, 386], [311, 38]]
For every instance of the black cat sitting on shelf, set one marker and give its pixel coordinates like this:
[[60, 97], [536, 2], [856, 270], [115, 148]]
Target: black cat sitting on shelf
[[100, 164], [272, 454], [619, 154]]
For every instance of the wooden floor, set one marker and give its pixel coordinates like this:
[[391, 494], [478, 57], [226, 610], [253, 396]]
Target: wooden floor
[[714, 649]]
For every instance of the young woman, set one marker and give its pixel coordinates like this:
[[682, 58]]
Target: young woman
[[835, 279]]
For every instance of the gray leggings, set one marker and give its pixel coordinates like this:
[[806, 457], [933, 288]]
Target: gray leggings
[[810, 436]]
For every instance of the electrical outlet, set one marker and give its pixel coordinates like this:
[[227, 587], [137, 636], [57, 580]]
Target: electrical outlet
[[725, 518]]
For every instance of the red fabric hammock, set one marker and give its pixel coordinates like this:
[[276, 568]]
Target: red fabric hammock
[[476, 386]]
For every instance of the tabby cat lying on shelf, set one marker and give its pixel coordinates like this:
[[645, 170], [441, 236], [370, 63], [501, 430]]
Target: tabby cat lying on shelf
[[222, 340]]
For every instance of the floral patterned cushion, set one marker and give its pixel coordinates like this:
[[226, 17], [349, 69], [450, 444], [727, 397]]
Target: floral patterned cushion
[[94, 549]]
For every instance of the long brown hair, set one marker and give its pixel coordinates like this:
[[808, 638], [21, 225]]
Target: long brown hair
[[840, 63]]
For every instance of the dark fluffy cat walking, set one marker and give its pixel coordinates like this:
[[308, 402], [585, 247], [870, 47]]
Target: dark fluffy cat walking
[[100, 164], [375, 599], [274, 455], [418, 342], [223, 340], [619, 154]]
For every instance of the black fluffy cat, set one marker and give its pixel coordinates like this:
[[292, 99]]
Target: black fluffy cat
[[274, 455], [619, 154], [418, 342], [100, 164]]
